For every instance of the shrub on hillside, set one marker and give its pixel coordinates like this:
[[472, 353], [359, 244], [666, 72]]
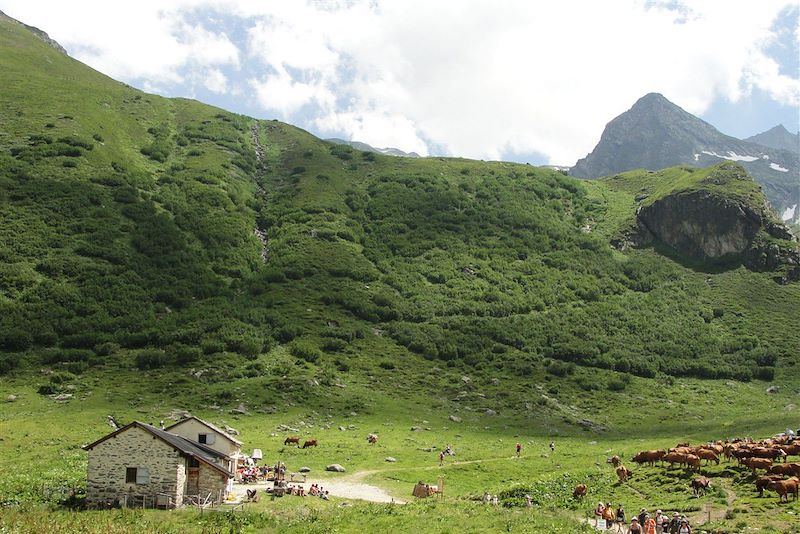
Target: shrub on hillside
[[305, 351], [151, 359]]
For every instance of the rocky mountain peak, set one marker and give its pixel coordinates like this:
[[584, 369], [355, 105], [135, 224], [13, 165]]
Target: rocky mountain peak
[[38, 33]]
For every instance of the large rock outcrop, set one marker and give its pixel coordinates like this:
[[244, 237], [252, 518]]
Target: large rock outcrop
[[719, 216], [702, 225]]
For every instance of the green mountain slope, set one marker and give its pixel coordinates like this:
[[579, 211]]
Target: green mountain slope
[[132, 231]]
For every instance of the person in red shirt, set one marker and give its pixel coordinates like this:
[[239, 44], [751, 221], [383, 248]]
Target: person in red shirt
[[519, 449], [649, 525]]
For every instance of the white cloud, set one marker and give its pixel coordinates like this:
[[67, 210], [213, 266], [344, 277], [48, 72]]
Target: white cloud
[[476, 79], [215, 81]]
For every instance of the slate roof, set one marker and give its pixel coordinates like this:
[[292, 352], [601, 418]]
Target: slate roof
[[209, 425], [185, 446]]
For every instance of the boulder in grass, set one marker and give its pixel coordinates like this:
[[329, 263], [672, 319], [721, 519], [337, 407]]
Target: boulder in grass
[[305, 469], [391, 459], [336, 468]]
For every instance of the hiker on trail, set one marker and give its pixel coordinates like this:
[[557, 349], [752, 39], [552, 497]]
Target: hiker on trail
[[675, 523], [441, 458], [649, 525], [685, 528], [598, 514], [642, 516], [552, 446], [608, 515], [620, 515], [659, 519], [519, 449], [635, 527]]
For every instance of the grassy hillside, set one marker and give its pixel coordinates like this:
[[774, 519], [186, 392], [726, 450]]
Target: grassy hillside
[[160, 254]]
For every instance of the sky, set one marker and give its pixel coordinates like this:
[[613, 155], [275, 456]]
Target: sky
[[486, 79]]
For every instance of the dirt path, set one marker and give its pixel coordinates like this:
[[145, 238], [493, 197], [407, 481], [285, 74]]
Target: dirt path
[[260, 233], [353, 486], [717, 513]]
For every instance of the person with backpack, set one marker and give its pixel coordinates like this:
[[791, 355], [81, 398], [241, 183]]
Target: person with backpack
[[649, 525], [620, 515], [608, 515], [598, 515], [635, 527]]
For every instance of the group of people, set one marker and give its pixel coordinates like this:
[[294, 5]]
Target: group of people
[[318, 491], [606, 517]]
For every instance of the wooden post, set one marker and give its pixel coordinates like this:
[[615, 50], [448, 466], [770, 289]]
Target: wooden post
[[708, 511], [440, 484]]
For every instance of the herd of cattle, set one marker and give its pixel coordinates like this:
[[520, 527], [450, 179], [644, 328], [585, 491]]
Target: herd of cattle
[[769, 455]]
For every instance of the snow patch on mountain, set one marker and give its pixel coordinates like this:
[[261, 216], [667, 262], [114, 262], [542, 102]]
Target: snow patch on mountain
[[732, 156], [776, 167], [788, 213]]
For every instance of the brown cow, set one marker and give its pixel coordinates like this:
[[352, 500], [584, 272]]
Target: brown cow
[[789, 469], [649, 457], [674, 458], [757, 463], [623, 473], [692, 461], [580, 491], [614, 460], [764, 482], [784, 488], [700, 485], [708, 455], [792, 449], [309, 443], [292, 439]]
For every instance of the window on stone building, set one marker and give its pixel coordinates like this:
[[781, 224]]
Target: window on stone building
[[137, 475], [208, 439]]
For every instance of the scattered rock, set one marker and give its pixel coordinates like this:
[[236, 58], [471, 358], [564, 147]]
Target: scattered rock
[[336, 468], [416, 429], [590, 425], [391, 459], [240, 410], [230, 430], [305, 469], [790, 407], [62, 397], [489, 411], [495, 381], [455, 418], [773, 389], [466, 379], [353, 414], [342, 428], [286, 428], [11, 398]]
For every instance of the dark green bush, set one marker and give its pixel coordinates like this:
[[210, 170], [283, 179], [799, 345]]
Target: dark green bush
[[151, 359]]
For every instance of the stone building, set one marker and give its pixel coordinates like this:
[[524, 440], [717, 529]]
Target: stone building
[[196, 429], [141, 465]]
